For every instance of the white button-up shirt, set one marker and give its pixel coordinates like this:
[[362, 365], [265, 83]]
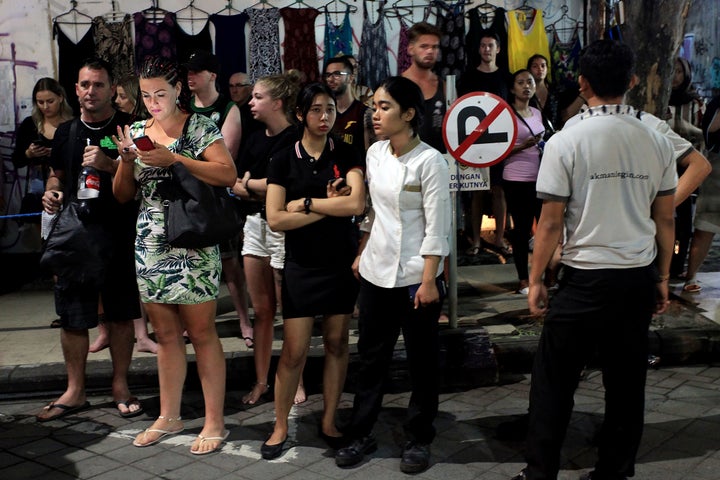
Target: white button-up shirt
[[411, 206]]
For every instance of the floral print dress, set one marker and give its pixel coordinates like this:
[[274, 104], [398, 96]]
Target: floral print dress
[[168, 274]]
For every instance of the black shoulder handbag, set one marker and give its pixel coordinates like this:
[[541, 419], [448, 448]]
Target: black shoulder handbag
[[197, 214], [75, 250]]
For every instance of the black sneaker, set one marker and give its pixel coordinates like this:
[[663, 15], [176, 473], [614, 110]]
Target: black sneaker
[[354, 454], [415, 457], [520, 476]]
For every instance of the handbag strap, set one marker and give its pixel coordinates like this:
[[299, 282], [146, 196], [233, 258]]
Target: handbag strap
[[68, 161], [522, 120]]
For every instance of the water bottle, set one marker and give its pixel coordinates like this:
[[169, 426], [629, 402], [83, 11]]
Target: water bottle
[[88, 184]]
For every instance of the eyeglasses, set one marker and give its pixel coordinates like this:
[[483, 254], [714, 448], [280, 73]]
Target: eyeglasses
[[336, 75]]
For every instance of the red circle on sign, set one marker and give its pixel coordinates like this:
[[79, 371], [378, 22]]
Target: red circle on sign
[[500, 113]]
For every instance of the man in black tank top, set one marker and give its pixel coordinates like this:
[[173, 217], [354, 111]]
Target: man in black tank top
[[203, 68], [424, 48]]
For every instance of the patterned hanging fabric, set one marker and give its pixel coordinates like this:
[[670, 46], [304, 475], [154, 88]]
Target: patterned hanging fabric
[[299, 47], [565, 60], [338, 38], [264, 42], [373, 60], [154, 38], [451, 22], [113, 43], [403, 57]]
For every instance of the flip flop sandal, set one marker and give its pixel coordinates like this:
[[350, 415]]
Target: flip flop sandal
[[249, 342], [65, 410], [130, 413], [163, 433], [202, 439], [692, 286]]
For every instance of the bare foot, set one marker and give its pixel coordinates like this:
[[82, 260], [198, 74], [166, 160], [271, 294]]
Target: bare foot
[[258, 390], [101, 343], [146, 345], [246, 331], [300, 395]]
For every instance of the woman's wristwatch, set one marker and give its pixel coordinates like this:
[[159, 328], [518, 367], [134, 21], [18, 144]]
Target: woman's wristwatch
[[308, 204]]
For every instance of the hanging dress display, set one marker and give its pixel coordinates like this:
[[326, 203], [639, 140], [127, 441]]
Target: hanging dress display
[[154, 39], [566, 61], [404, 60], [373, 60], [299, 46], [523, 44], [230, 45], [71, 56], [264, 42], [113, 43], [476, 31], [187, 42], [338, 38], [451, 22]]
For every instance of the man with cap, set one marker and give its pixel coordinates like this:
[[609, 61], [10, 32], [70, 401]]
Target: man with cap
[[203, 68]]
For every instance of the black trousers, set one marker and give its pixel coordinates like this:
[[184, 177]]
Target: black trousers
[[384, 312], [524, 207], [595, 312]]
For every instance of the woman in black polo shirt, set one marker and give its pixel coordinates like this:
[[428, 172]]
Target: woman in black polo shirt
[[307, 199]]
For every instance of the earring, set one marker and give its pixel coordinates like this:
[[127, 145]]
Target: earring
[[177, 100]]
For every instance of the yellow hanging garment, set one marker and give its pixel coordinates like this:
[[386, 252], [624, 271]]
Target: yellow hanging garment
[[523, 44]]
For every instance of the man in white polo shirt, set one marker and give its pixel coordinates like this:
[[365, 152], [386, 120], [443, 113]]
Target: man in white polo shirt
[[608, 182]]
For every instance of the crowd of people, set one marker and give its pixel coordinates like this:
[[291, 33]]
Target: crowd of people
[[346, 211]]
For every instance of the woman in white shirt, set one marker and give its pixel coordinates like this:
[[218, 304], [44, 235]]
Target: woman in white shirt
[[400, 272]]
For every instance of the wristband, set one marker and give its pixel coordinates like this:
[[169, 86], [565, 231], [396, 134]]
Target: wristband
[[308, 204], [663, 278]]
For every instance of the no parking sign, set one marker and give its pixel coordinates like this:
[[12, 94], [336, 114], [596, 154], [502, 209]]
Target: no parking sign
[[479, 129]]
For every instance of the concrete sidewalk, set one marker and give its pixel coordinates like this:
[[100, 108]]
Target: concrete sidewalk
[[489, 313]]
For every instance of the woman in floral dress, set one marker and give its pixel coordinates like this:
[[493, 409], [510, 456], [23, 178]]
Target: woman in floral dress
[[178, 286]]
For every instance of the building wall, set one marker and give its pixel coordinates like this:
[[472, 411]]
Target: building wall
[[702, 33]]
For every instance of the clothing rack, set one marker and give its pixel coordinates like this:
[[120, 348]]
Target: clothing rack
[[154, 12], [192, 14], [337, 9], [114, 15], [228, 10], [75, 18]]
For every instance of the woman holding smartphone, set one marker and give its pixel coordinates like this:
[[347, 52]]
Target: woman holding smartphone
[[178, 286], [520, 171], [305, 199], [33, 139]]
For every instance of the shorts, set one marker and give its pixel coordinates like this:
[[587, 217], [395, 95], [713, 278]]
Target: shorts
[[77, 304], [260, 241], [229, 247]]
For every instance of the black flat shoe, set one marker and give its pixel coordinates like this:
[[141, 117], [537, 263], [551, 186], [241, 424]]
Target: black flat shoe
[[271, 452]]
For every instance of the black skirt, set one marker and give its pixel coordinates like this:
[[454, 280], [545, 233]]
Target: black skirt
[[312, 291]]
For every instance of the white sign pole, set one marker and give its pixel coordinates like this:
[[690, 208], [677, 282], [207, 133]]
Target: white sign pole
[[450, 97]]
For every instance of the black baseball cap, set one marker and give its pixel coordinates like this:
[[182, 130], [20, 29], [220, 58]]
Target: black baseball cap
[[200, 60]]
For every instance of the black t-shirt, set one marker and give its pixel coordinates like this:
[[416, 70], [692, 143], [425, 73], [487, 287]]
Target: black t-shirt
[[113, 214], [473, 80], [260, 148], [350, 126], [332, 240]]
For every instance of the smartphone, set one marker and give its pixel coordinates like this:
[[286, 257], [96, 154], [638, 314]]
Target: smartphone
[[42, 142], [144, 143], [340, 185]]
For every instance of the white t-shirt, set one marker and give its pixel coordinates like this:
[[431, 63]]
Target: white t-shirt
[[609, 167], [411, 214]]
